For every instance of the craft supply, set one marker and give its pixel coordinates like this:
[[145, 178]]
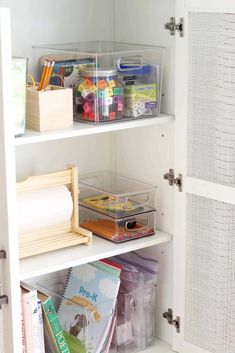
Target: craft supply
[[141, 86], [47, 236], [43, 208], [120, 206], [99, 96], [117, 231]]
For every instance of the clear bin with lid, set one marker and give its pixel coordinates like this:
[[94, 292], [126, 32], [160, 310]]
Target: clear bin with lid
[[122, 80], [115, 195]]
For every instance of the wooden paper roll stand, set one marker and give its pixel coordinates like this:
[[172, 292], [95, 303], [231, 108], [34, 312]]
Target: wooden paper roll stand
[[63, 235]]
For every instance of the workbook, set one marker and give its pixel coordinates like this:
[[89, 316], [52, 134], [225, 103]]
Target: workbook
[[88, 304]]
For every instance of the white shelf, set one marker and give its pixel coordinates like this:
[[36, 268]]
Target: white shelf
[[83, 129], [78, 255], [159, 347]]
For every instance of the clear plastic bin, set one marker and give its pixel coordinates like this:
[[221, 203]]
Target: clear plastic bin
[[135, 310], [137, 301], [115, 195], [117, 229], [85, 321], [132, 91]]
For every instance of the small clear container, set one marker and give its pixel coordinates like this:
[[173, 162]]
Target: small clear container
[[117, 230], [115, 195], [99, 96], [137, 67]]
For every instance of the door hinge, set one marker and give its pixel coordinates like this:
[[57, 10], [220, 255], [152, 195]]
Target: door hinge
[[170, 176], [3, 254], [172, 26], [3, 300], [169, 316]]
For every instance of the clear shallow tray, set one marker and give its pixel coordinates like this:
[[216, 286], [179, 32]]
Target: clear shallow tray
[[118, 230], [115, 195]]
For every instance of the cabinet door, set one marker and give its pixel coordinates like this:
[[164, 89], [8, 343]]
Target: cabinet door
[[10, 313], [204, 239]]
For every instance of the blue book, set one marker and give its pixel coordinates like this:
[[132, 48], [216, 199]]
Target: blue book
[[88, 304]]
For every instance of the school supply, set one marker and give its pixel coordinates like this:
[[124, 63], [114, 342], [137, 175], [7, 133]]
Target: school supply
[[119, 206], [117, 230], [136, 301], [46, 74], [67, 71], [48, 237], [33, 326], [88, 304], [99, 96], [108, 266], [52, 325]]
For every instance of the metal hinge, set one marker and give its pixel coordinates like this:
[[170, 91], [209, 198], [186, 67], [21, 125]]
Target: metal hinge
[[172, 26], [169, 316], [170, 176], [3, 254], [3, 300]]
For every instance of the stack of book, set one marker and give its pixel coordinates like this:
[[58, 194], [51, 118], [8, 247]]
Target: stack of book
[[84, 319]]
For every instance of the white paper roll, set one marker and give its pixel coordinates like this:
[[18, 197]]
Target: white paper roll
[[43, 208]]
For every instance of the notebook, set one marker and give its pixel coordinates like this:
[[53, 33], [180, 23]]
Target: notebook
[[88, 303]]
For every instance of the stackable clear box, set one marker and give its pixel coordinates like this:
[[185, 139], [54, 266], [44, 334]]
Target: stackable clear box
[[111, 81], [88, 321], [117, 229], [115, 195], [135, 310]]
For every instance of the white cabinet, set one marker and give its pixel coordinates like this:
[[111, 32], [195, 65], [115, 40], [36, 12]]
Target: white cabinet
[[194, 243]]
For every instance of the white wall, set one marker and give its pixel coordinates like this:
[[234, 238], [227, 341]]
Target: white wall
[[37, 22]]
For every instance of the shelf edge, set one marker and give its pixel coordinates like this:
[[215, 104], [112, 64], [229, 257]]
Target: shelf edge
[[28, 271]]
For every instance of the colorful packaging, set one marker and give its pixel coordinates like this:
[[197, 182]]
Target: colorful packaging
[[140, 100]]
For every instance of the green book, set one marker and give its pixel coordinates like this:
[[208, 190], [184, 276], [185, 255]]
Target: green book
[[52, 324]]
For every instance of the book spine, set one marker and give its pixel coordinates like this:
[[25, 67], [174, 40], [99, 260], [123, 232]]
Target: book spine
[[22, 328], [41, 343], [55, 326], [30, 314]]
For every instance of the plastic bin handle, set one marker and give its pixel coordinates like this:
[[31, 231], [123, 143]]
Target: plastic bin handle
[[138, 204], [142, 220], [137, 61]]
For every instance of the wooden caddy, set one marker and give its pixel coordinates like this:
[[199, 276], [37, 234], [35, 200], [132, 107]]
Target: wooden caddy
[[63, 235]]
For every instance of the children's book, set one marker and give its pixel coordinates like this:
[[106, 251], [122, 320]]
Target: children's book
[[88, 305], [109, 267], [52, 325], [34, 340]]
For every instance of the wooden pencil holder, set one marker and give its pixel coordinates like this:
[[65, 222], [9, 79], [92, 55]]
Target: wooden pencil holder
[[62, 235], [49, 109]]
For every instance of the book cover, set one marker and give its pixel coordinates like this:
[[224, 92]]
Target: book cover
[[87, 308], [52, 324], [40, 328], [33, 341], [108, 267]]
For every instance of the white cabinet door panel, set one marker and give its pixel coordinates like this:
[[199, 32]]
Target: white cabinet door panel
[[204, 249]]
